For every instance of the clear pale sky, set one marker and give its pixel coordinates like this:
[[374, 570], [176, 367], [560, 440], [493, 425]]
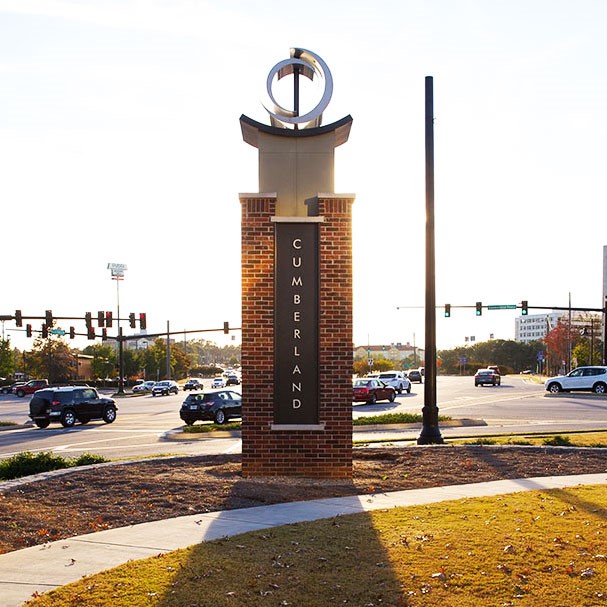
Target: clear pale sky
[[120, 142]]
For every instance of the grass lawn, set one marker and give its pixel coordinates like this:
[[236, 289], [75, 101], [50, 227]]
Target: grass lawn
[[570, 439], [536, 549]]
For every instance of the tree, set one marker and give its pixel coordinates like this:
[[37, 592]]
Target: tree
[[7, 358], [558, 341], [104, 359], [53, 359]]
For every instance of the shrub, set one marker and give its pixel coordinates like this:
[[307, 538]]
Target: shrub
[[27, 463], [558, 441]]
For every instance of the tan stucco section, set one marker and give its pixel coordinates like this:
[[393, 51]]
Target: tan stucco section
[[296, 168]]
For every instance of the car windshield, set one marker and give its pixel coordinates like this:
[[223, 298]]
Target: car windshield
[[387, 376], [361, 383]]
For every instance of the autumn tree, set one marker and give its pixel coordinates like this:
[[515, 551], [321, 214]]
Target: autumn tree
[[558, 343], [53, 359]]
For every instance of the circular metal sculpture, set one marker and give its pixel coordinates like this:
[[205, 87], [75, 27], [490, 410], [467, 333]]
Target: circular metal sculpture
[[308, 64]]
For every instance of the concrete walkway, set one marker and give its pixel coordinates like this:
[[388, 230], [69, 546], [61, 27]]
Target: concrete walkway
[[42, 568]]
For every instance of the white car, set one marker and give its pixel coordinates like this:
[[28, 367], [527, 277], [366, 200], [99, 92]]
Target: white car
[[583, 378], [218, 382], [397, 379], [145, 386]]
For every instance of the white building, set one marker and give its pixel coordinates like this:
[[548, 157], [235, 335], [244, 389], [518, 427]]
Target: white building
[[535, 326]]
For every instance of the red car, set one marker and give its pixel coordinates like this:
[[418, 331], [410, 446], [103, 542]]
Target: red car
[[370, 390]]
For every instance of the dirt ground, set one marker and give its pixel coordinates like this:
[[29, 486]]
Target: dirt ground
[[96, 498]]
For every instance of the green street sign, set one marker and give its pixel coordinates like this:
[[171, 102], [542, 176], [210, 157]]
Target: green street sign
[[503, 307]]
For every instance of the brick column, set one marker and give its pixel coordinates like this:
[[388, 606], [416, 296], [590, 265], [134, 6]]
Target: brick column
[[320, 453]]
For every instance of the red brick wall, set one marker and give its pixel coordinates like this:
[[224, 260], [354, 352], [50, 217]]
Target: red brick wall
[[323, 453]]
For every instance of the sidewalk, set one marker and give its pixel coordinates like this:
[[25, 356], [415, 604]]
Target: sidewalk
[[42, 568]]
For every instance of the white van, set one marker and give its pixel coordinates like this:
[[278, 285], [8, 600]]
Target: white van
[[397, 379]]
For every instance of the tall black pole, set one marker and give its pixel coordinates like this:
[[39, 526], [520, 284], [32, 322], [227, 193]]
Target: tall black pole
[[120, 361], [430, 433]]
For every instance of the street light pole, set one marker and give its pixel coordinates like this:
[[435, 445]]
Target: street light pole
[[430, 433], [117, 270]]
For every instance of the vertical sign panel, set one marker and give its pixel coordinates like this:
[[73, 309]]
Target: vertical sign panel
[[296, 284]]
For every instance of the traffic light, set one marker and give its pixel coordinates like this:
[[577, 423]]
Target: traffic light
[[72, 332], [100, 318], [103, 334], [90, 334], [142, 321], [88, 319], [44, 331], [109, 319], [479, 308], [28, 330], [524, 308], [226, 327], [49, 319], [18, 318], [132, 320], [447, 310]]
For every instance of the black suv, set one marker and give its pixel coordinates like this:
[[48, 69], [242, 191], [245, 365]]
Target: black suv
[[215, 405], [193, 384], [66, 405]]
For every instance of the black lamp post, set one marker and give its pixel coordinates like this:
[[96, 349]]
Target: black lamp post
[[430, 433]]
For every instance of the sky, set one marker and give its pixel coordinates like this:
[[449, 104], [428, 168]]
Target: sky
[[120, 142]]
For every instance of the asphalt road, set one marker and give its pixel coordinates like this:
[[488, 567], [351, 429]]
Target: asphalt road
[[144, 423]]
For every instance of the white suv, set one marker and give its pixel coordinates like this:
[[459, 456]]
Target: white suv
[[582, 378], [397, 379]]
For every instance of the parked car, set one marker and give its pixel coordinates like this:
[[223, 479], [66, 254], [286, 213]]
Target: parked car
[[217, 405], [70, 404], [415, 375], [165, 387], [397, 379], [30, 387], [145, 386], [193, 384], [582, 378], [10, 389], [370, 390], [218, 382], [485, 377]]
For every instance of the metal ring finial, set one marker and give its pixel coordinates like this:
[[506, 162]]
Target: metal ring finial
[[308, 64]]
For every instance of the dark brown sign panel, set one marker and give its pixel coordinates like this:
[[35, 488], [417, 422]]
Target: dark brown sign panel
[[296, 284]]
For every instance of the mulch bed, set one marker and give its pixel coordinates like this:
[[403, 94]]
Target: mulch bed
[[96, 498]]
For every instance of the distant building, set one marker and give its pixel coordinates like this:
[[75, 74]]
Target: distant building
[[141, 342], [83, 367], [394, 352], [536, 326]]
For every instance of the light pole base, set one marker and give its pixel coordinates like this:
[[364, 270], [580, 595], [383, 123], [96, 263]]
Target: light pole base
[[430, 435]]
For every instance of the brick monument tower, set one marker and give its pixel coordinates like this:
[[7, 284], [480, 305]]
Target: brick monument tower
[[297, 291]]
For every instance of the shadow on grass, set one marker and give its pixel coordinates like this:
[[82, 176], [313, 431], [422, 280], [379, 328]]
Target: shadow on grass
[[303, 564]]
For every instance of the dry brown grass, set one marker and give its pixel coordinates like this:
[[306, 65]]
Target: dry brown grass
[[535, 549]]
